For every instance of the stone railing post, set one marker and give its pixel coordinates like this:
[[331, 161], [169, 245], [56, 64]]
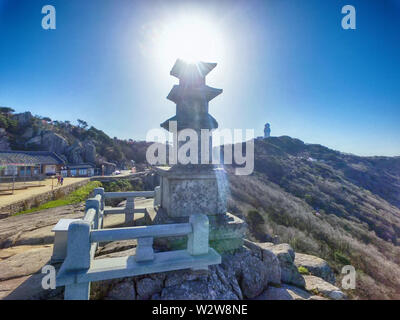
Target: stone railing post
[[157, 196], [198, 240], [94, 204], [129, 209], [144, 249], [78, 259], [100, 191]]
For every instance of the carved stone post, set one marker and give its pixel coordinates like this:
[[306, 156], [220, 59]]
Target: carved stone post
[[78, 258], [129, 210], [144, 249]]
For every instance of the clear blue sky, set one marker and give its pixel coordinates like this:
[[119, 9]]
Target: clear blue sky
[[287, 62]]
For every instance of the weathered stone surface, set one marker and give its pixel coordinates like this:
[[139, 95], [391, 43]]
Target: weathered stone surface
[[285, 292], [74, 153], [176, 278], [4, 143], [209, 287], [49, 141], [316, 266], [24, 118], [186, 191], [147, 287], [89, 151], [124, 290], [320, 286], [254, 277], [116, 246], [249, 269], [25, 263], [28, 288], [286, 256], [269, 259]]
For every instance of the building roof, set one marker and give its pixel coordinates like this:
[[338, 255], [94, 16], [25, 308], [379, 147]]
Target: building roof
[[29, 158], [81, 166]]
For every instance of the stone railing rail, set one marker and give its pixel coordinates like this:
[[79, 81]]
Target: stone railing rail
[[77, 239], [129, 209]]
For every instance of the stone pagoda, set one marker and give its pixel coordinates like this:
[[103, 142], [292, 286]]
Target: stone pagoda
[[187, 189]]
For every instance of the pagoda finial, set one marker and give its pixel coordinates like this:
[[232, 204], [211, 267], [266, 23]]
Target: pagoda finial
[[191, 96]]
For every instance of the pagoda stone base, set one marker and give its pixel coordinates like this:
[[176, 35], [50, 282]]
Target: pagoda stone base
[[190, 189], [226, 231]]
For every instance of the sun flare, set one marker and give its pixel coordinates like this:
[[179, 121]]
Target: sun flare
[[191, 38]]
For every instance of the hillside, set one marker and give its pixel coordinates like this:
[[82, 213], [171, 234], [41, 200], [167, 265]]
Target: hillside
[[76, 143], [343, 208]]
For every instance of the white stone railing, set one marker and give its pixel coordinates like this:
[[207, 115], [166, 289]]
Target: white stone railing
[[129, 209], [79, 243]]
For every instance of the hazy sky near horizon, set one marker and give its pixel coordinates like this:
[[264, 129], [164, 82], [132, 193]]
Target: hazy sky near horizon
[[286, 62]]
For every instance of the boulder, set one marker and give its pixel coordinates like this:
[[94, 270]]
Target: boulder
[[269, 259], [174, 278], [124, 290], [209, 287], [49, 141], [89, 151], [74, 153], [316, 266], [249, 269], [147, 287], [54, 142], [286, 257], [285, 292], [254, 277], [324, 288]]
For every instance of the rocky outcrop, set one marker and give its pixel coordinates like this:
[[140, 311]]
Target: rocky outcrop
[[49, 141], [315, 266], [287, 292], [74, 153], [4, 143], [286, 257], [81, 152], [326, 289], [89, 152], [124, 290], [24, 119]]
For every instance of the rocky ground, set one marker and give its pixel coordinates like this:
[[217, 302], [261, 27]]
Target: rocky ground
[[262, 271]]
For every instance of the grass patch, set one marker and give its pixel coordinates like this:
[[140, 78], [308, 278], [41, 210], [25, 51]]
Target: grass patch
[[303, 270], [76, 196]]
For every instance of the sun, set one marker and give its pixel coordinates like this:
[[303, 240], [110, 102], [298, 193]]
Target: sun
[[190, 37]]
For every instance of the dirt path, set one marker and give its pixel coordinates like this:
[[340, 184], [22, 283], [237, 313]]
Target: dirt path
[[35, 190]]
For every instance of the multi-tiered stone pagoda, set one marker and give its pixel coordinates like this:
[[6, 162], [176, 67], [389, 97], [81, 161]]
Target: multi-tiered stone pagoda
[[197, 188]]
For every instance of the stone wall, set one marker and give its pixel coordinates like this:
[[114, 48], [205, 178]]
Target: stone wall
[[39, 199]]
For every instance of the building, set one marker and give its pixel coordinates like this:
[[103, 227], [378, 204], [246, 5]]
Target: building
[[30, 163], [78, 170]]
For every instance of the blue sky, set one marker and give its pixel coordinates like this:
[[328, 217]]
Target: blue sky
[[287, 62]]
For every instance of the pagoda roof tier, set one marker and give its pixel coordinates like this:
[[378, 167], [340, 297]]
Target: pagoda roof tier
[[185, 70], [203, 92], [206, 121]]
